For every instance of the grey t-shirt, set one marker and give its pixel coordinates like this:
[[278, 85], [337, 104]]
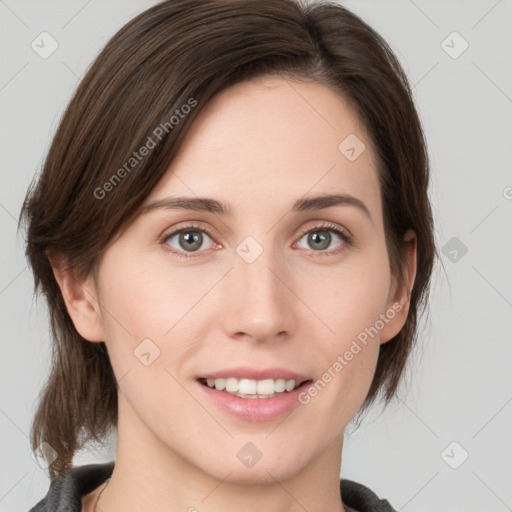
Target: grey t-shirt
[[67, 490]]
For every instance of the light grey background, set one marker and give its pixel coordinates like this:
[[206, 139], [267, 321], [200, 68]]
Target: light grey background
[[459, 387]]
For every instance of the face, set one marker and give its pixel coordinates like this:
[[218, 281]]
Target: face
[[277, 292]]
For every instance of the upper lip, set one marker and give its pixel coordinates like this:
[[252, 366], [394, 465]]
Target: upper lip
[[246, 372]]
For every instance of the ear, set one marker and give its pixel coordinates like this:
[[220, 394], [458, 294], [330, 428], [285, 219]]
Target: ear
[[397, 307], [80, 298]]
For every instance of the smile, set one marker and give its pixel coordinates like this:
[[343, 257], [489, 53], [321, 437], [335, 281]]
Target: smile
[[251, 388]]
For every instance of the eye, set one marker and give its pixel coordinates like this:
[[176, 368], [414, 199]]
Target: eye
[[320, 237], [189, 239]]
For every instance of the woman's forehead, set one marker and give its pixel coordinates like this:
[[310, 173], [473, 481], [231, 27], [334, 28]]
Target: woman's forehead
[[276, 139]]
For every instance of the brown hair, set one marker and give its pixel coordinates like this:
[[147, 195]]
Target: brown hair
[[183, 52]]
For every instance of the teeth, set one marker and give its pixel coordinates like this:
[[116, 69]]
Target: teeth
[[249, 388], [265, 387], [219, 384], [231, 385], [280, 385]]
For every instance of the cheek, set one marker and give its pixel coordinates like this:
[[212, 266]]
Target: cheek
[[350, 304], [351, 298], [142, 300], [142, 296], [145, 332]]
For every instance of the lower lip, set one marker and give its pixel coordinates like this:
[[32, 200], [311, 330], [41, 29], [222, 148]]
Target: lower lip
[[254, 409]]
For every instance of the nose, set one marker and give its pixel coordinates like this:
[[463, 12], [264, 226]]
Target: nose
[[257, 296]]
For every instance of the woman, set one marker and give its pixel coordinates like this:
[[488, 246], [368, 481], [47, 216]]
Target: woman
[[233, 233]]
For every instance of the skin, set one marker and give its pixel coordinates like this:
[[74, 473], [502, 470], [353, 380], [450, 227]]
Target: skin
[[259, 146]]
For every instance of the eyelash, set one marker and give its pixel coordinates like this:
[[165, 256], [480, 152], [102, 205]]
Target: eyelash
[[347, 239]]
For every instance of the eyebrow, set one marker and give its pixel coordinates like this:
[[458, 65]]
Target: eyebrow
[[206, 204]]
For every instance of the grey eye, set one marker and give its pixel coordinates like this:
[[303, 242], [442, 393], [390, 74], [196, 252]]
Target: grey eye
[[189, 240], [319, 239]]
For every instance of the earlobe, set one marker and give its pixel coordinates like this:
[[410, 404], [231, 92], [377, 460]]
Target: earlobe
[[397, 308], [80, 299]]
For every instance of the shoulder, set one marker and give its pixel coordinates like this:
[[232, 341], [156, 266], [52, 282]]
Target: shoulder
[[67, 490], [361, 498]]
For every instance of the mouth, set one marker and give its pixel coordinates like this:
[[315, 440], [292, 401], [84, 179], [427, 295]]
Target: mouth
[[254, 394], [252, 388]]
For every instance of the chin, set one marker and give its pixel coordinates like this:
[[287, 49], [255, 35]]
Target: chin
[[268, 469], [258, 474]]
